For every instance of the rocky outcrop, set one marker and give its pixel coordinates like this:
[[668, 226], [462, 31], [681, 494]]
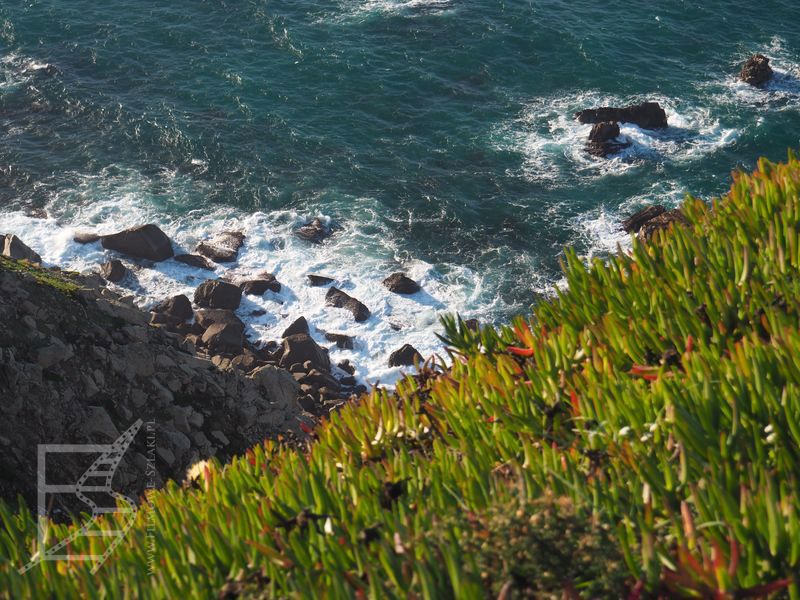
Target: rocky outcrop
[[635, 222], [647, 115], [113, 271], [400, 283], [314, 231], [195, 260], [146, 241], [319, 280], [338, 299], [178, 307], [216, 293], [223, 247], [756, 71], [407, 356], [15, 248], [603, 140], [80, 366], [646, 222]]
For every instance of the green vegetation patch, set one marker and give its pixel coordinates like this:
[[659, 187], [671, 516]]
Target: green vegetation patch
[[61, 281], [640, 434]]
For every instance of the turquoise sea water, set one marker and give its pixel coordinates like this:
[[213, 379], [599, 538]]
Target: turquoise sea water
[[438, 135]]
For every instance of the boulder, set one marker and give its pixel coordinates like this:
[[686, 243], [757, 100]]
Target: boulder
[[407, 356], [178, 306], [298, 326], [13, 247], [319, 280], [209, 316], [223, 247], [338, 299], [300, 348], [346, 366], [258, 287], [635, 222], [399, 283], [662, 221], [113, 271], [345, 342], [602, 140], [146, 241], [756, 71], [647, 115], [225, 338], [314, 231], [195, 260], [83, 237], [215, 293]]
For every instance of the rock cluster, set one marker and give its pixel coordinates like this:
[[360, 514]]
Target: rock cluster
[[82, 366], [604, 136]]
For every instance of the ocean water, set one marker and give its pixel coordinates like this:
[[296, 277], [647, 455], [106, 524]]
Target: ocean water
[[437, 134]]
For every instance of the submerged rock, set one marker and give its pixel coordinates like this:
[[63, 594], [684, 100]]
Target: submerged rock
[[319, 280], [399, 283], [145, 241], [647, 115], [215, 293], [195, 260], [223, 247], [314, 231], [15, 248], [756, 71], [338, 299], [84, 237], [258, 287], [662, 221], [345, 342]]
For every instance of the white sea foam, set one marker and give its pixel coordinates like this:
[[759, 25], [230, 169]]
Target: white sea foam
[[357, 257], [17, 70], [552, 141], [408, 8]]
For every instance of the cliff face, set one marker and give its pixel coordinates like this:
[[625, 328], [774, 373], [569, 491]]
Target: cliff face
[[79, 364]]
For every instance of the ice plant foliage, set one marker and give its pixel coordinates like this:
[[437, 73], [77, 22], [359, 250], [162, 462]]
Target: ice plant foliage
[[650, 415]]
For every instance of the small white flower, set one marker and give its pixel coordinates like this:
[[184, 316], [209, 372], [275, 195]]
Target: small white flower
[[771, 438], [328, 527], [768, 428], [645, 438], [653, 427], [624, 431]]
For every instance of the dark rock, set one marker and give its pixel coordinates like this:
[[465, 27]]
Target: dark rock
[[172, 323], [756, 71], [319, 280], [308, 403], [338, 299], [246, 362], [300, 348], [217, 294], [635, 222], [209, 316], [359, 390], [258, 287], [224, 338], [348, 381], [399, 283], [341, 340], [223, 247], [145, 241], [259, 312], [647, 115], [314, 231], [83, 237], [14, 247], [195, 260], [472, 324], [298, 326], [395, 326], [602, 140], [407, 356], [346, 366], [178, 306], [320, 379], [113, 271], [662, 221]]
